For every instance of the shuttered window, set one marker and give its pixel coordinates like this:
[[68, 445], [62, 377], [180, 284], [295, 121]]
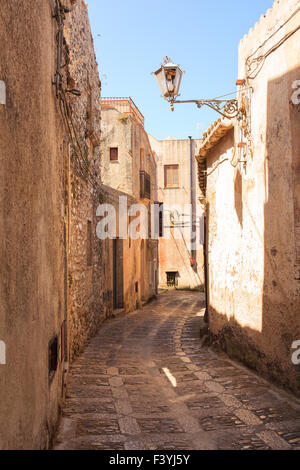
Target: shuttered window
[[145, 185], [171, 176], [114, 154]]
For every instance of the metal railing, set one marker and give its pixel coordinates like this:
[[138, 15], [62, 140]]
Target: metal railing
[[145, 185]]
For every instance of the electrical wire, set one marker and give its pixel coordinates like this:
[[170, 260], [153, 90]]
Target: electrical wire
[[260, 60], [230, 94], [82, 162], [273, 34]]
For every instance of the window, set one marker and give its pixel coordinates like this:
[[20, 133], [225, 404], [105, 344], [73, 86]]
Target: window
[[142, 159], [53, 356], [171, 176], [172, 279], [145, 185], [158, 220], [161, 219], [114, 154], [89, 248]]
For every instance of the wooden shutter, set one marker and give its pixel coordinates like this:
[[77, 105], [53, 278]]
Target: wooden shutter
[[114, 154], [171, 176]]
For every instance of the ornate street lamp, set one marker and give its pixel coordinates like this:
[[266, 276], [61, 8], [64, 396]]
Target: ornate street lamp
[[169, 77]]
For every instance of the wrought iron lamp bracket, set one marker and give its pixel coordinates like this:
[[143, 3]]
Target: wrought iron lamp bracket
[[227, 108]]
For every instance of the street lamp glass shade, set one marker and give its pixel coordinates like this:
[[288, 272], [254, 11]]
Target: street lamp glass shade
[[169, 77]]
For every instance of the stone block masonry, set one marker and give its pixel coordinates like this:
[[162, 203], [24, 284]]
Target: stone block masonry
[[51, 301], [86, 309]]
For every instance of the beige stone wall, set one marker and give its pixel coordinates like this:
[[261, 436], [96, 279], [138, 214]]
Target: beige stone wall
[[174, 252], [31, 207], [140, 257], [128, 265], [47, 290], [117, 132], [122, 131], [253, 210]]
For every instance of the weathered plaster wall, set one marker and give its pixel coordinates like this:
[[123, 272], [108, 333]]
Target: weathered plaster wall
[[47, 289], [128, 265], [117, 133], [148, 248], [174, 252], [123, 132], [254, 210], [31, 208], [140, 257]]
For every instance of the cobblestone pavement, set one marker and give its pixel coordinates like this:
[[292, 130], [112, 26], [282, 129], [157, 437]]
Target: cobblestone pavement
[[145, 382]]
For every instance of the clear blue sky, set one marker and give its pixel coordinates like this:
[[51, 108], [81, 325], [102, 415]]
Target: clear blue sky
[[132, 37]]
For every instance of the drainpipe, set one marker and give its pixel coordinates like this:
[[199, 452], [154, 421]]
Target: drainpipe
[[205, 255], [192, 194], [202, 167]]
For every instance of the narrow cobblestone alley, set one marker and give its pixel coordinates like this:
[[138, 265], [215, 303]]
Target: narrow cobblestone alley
[[145, 382]]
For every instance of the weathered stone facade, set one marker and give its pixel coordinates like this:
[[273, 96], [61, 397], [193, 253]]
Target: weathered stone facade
[[252, 204], [51, 281], [85, 256], [32, 245], [175, 249], [121, 263], [123, 129]]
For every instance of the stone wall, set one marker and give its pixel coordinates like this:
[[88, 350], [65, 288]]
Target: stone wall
[[128, 261], [117, 131], [175, 251], [51, 290], [32, 242], [140, 256], [253, 208], [85, 280]]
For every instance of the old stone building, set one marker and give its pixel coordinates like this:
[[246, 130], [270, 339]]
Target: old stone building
[[67, 156], [180, 247], [32, 245], [129, 168], [249, 177], [51, 282], [83, 159]]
